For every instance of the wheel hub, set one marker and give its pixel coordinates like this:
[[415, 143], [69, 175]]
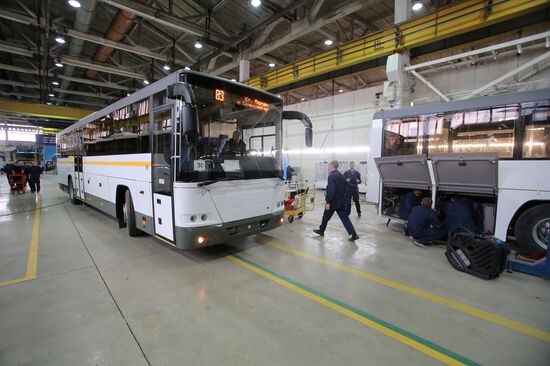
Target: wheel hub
[[541, 232]]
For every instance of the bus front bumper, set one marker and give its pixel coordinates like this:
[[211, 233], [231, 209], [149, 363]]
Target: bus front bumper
[[204, 236]]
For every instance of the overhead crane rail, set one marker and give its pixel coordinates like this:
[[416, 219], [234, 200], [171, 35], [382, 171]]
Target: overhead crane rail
[[444, 23]]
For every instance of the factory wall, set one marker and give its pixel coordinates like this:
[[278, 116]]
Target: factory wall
[[341, 123]]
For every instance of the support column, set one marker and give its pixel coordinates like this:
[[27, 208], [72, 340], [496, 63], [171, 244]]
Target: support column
[[402, 10], [244, 70], [397, 88]]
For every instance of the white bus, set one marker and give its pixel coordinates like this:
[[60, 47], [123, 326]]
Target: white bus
[[494, 150], [163, 160]]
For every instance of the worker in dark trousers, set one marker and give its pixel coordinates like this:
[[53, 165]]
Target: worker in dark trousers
[[407, 202], [353, 179], [8, 169], [459, 214], [35, 173], [336, 201], [423, 224]]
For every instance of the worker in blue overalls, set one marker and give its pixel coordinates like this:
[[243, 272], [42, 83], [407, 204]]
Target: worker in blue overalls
[[459, 214], [407, 202], [424, 225], [353, 179], [335, 202]]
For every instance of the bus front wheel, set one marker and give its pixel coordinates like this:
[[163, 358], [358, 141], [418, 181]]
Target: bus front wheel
[[130, 215], [532, 229], [72, 196]]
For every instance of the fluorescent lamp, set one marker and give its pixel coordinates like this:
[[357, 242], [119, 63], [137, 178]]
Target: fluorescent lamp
[[255, 3], [417, 6], [60, 40], [328, 42], [271, 64], [198, 44], [166, 67], [74, 3]]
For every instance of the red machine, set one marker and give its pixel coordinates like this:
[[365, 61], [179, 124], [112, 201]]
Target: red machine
[[18, 183]]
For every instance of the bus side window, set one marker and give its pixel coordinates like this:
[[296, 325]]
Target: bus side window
[[536, 139]]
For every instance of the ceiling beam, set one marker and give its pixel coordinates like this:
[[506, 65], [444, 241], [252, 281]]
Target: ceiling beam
[[42, 110], [18, 18], [138, 50], [253, 30], [315, 9], [4, 47], [76, 62], [162, 18], [297, 30]]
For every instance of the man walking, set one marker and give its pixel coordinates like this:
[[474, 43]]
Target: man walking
[[35, 172], [335, 202], [353, 179]]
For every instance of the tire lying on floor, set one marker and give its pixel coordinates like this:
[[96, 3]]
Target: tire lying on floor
[[532, 229]]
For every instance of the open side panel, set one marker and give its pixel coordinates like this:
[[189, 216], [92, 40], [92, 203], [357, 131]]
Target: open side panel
[[405, 171], [472, 173]]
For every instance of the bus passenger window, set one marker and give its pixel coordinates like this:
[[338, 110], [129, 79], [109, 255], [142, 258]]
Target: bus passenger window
[[536, 139], [402, 137]]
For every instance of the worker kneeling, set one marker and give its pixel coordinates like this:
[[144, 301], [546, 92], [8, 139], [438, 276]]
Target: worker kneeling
[[423, 224]]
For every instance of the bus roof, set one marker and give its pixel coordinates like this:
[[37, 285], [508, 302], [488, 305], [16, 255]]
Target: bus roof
[[154, 88], [465, 104]]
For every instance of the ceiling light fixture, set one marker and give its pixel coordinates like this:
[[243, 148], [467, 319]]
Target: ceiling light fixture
[[58, 63], [302, 98], [234, 80], [166, 67], [198, 44], [417, 6], [328, 42], [60, 40], [74, 3], [255, 3], [49, 103], [271, 64], [127, 94], [146, 82], [51, 95], [187, 68], [56, 83]]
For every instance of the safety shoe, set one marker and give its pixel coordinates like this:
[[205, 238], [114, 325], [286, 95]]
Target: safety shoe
[[359, 214], [354, 237], [319, 232]]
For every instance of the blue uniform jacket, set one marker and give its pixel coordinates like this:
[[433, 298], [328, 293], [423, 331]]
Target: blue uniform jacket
[[408, 201], [421, 218], [355, 180], [459, 214], [336, 190]]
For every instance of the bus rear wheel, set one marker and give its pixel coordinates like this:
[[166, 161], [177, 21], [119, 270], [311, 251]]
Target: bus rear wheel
[[130, 215], [533, 229]]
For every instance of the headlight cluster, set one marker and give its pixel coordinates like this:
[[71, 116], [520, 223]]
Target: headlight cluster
[[194, 218], [280, 203]]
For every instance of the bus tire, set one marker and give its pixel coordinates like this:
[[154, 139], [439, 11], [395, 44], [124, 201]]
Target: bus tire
[[130, 215], [532, 229], [72, 197]]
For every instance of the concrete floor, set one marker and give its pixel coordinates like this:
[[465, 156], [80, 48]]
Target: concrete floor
[[103, 298]]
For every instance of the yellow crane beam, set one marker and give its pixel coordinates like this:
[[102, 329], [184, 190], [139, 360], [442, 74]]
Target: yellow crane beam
[[43, 111], [446, 22]]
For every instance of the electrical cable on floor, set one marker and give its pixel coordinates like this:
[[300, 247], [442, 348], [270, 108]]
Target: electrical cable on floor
[[107, 287], [33, 209]]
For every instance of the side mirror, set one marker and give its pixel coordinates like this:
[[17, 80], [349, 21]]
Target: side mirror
[[189, 120], [305, 120]]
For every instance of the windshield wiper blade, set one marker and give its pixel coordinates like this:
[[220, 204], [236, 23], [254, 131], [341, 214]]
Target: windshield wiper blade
[[212, 181]]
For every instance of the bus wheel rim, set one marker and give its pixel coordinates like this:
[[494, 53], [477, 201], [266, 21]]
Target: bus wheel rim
[[541, 232], [125, 212]]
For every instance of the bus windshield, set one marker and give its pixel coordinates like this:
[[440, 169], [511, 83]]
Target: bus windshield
[[239, 135]]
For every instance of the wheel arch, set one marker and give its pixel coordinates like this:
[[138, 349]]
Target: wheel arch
[[526, 206]]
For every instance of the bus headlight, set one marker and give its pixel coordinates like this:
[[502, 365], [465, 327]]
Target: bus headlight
[[204, 217], [193, 218]]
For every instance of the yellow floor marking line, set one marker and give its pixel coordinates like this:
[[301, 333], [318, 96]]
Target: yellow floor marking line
[[32, 259], [420, 344], [478, 313]]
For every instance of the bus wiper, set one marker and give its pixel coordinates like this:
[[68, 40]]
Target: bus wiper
[[212, 181]]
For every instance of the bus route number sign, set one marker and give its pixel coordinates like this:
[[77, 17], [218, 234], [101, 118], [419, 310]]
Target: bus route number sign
[[219, 95]]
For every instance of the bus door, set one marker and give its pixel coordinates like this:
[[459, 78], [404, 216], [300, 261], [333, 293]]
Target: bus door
[[79, 177], [162, 179]]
